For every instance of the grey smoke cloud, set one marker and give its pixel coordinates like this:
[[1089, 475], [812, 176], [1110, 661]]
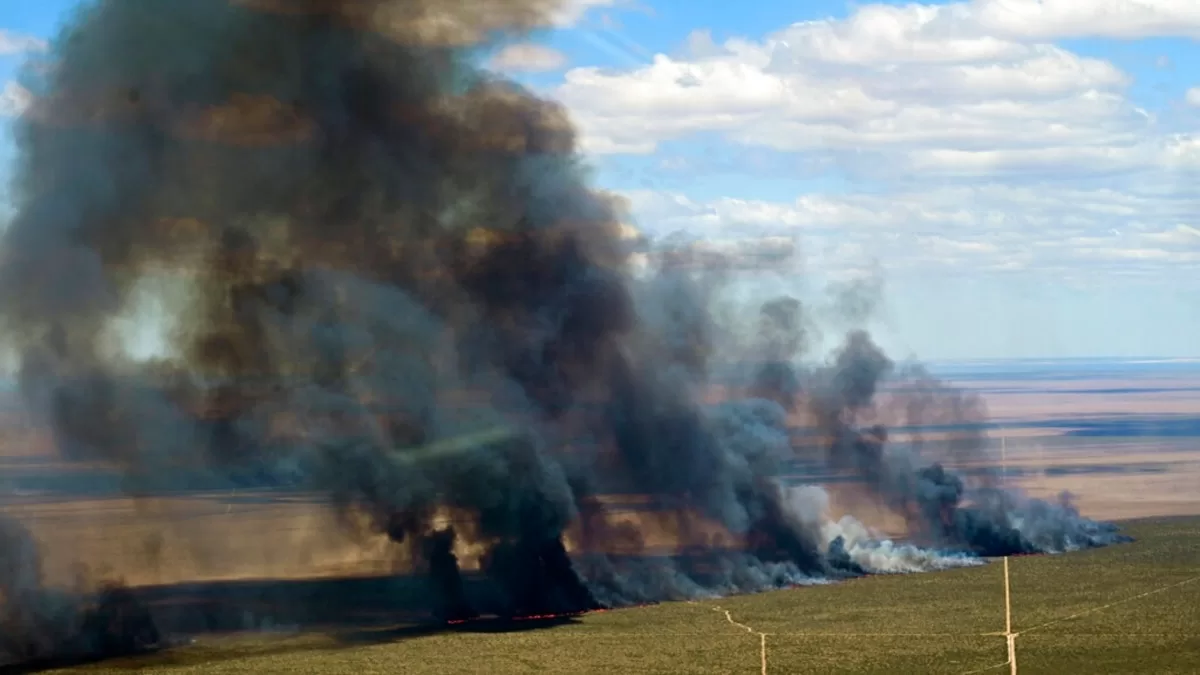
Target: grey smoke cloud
[[404, 295]]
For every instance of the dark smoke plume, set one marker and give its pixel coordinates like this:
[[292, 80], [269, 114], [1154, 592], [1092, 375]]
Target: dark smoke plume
[[934, 499], [393, 285], [36, 622]]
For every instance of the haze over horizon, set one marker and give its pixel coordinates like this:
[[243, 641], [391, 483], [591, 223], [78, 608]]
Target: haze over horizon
[[1018, 174]]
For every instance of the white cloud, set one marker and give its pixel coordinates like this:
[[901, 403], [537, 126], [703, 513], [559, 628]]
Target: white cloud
[[14, 100], [1050, 19], [992, 150], [1051, 99], [971, 229], [908, 34], [985, 30], [528, 57], [987, 140], [16, 43], [948, 88]]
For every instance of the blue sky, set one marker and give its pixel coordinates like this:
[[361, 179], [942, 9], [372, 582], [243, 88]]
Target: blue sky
[[1021, 175]]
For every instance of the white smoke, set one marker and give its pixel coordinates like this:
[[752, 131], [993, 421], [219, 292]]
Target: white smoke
[[808, 508]]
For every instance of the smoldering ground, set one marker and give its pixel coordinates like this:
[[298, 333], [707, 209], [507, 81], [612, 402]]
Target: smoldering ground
[[391, 283]]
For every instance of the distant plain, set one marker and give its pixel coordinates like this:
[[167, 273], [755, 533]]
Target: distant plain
[[1124, 442], [1123, 610]]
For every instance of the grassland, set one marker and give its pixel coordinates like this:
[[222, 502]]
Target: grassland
[[1133, 608], [1127, 609]]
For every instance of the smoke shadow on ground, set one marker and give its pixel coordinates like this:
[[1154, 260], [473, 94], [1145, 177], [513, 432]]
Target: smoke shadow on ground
[[483, 625], [351, 612], [172, 656]]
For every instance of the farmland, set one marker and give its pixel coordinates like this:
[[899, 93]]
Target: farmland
[[1132, 608]]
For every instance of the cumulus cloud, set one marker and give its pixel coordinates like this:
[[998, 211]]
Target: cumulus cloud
[[962, 88], [905, 34], [989, 29], [1052, 19], [527, 57]]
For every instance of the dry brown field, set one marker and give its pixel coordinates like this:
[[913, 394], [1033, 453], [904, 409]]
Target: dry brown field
[[226, 536]]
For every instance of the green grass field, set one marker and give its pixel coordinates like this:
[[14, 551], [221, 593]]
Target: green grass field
[[1132, 608]]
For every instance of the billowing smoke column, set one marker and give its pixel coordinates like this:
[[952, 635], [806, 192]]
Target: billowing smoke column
[[35, 623], [996, 522], [394, 286]]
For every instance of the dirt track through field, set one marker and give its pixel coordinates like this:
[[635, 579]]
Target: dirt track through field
[[762, 637]]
